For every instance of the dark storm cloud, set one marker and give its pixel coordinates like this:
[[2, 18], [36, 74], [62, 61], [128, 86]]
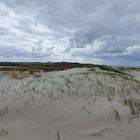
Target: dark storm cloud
[[97, 31]]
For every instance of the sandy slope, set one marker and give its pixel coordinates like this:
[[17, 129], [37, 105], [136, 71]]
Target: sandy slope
[[76, 104]]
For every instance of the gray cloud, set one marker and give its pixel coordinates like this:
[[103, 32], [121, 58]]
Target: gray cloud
[[96, 31]]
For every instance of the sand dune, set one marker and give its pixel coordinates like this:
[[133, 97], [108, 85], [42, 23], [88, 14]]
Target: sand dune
[[75, 104]]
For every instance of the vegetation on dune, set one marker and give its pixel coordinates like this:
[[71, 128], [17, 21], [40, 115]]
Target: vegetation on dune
[[25, 66], [34, 67], [50, 66], [134, 105]]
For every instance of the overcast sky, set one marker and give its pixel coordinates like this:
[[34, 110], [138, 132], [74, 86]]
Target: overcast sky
[[93, 31]]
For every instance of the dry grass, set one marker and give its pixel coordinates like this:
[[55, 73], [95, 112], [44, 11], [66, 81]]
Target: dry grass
[[3, 132], [133, 104], [49, 66]]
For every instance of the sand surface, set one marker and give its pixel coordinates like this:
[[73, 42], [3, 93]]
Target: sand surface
[[76, 104]]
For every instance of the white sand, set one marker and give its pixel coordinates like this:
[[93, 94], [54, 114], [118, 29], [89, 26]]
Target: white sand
[[68, 105]]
